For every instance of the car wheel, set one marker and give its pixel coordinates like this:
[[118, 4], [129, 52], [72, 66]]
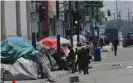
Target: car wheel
[[124, 45]]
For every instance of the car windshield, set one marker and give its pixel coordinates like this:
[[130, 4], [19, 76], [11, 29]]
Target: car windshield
[[131, 35]]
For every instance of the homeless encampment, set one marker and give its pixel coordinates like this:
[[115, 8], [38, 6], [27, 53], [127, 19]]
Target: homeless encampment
[[21, 61], [51, 45], [49, 60]]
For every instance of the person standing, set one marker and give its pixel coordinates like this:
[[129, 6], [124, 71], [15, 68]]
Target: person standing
[[101, 42], [79, 56], [115, 46], [71, 58], [87, 59]]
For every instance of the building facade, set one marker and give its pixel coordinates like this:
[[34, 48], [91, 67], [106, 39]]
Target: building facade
[[15, 19]]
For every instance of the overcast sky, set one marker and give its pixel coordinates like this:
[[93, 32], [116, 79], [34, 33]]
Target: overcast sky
[[122, 6]]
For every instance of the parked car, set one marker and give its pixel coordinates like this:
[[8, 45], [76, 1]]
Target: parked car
[[128, 40]]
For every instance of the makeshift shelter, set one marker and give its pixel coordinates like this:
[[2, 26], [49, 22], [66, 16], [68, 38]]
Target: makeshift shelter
[[21, 61], [81, 37], [49, 60], [17, 47], [64, 42], [51, 45]]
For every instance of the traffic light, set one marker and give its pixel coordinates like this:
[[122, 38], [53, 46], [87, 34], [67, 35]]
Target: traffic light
[[76, 18], [42, 13], [109, 14]]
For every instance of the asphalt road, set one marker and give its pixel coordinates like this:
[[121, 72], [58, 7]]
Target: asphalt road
[[106, 71]]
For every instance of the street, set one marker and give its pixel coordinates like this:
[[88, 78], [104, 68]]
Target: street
[[52, 41], [105, 71]]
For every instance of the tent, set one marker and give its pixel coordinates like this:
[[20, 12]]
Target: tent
[[51, 44], [63, 41], [49, 60], [81, 37], [21, 61], [16, 47]]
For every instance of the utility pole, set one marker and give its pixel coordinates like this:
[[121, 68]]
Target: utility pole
[[78, 26], [58, 36], [116, 9], [92, 26], [97, 23], [128, 15], [70, 22], [18, 18], [57, 9]]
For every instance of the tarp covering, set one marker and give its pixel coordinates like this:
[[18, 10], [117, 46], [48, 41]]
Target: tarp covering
[[49, 60], [81, 37], [62, 40], [16, 47], [25, 69], [49, 43], [22, 69]]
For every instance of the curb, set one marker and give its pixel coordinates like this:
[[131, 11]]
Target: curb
[[60, 74]]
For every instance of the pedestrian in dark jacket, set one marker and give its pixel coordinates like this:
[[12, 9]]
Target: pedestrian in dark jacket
[[115, 46], [101, 42], [83, 59], [71, 58], [88, 58]]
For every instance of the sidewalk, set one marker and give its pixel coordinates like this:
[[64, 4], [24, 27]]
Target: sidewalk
[[56, 75], [108, 48]]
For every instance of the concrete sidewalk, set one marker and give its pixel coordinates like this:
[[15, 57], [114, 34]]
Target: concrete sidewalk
[[56, 75], [108, 48]]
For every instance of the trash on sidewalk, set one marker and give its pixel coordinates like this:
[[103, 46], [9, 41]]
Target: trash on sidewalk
[[116, 64], [74, 79], [129, 67], [104, 50]]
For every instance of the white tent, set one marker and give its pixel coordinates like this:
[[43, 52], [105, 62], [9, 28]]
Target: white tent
[[64, 41], [81, 37]]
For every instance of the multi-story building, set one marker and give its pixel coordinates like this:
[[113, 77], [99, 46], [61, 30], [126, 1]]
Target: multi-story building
[[15, 19]]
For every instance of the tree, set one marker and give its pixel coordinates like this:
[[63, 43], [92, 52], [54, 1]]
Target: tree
[[100, 13], [120, 24]]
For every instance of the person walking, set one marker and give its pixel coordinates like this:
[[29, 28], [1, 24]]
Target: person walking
[[115, 46]]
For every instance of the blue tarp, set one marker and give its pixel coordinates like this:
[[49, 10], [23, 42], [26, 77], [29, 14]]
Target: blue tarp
[[16, 47]]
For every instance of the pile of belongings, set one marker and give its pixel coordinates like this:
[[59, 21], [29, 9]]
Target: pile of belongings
[[45, 56], [21, 61], [50, 43], [64, 43]]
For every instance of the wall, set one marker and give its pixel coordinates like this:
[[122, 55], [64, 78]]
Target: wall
[[10, 18], [23, 19], [0, 20], [15, 23]]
